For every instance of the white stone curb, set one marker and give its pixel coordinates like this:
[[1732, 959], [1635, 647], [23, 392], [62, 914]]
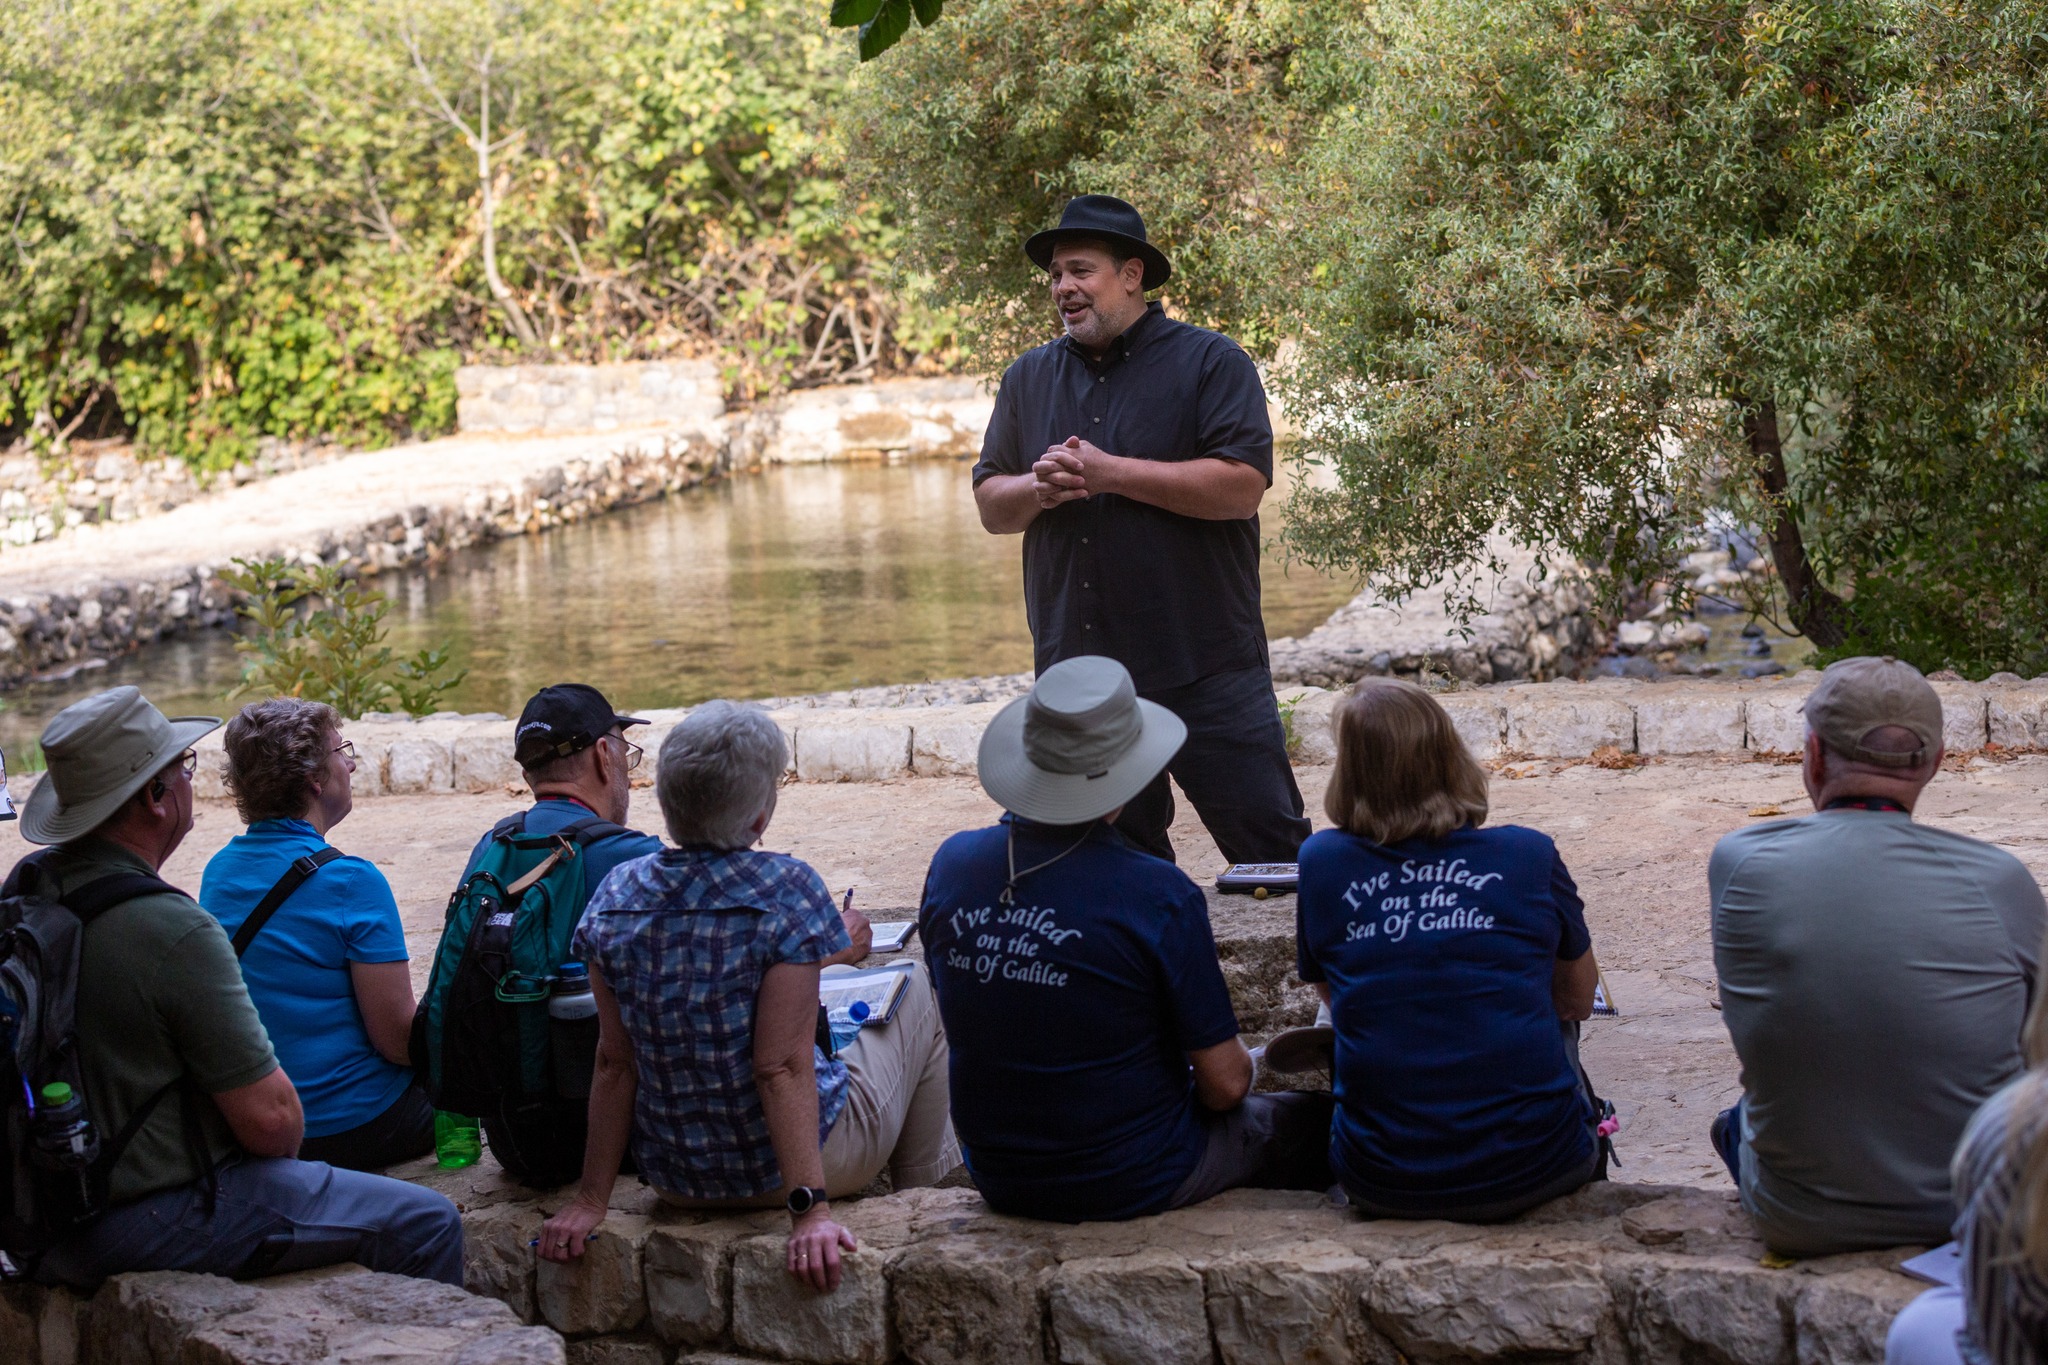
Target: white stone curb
[[457, 753]]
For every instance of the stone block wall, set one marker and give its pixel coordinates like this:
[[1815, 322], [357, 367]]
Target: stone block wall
[[47, 631], [1614, 1275], [525, 399]]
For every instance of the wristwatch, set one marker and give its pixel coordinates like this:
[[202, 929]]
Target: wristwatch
[[804, 1198]]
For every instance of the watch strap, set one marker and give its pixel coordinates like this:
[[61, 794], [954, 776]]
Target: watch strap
[[804, 1198]]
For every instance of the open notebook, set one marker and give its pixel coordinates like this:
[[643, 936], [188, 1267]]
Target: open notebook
[[881, 988]]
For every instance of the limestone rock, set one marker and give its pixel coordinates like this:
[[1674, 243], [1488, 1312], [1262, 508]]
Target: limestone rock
[[1279, 1310], [1842, 1319], [498, 1263], [972, 1301], [1963, 716], [1141, 1309], [1775, 719], [775, 1315], [1311, 710], [1479, 719], [864, 749], [1730, 1312], [602, 1290], [1568, 720], [616, 1351], [38, 1326], [1689, 720], [1487, 1305], [689, 1281]]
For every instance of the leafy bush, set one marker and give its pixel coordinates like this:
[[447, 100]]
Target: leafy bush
[[232, 218], [317, 633]]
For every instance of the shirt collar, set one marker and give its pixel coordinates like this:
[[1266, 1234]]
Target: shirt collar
[[287, 825], [577, 802], [1128, 343]]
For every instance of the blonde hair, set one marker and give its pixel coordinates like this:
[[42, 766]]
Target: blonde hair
[[1402, 771], [2025, 1233]]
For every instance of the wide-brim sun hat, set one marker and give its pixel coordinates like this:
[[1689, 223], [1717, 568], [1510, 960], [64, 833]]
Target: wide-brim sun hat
[[1106, 218], [100, 752], [1079, 745]]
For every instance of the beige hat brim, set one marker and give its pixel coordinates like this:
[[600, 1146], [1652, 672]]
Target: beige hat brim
[[47, 820], [1018, 785]]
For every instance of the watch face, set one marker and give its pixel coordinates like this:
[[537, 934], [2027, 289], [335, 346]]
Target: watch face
[[800, 1199]]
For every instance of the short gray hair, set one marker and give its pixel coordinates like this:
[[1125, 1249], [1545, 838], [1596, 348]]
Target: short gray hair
[[718, 770]]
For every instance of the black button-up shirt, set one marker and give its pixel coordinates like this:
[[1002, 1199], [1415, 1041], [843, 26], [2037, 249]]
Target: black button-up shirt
[[1172, 598]]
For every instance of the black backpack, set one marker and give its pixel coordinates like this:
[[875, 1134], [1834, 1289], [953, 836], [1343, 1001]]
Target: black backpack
[[41, 939], [480, 1042], [41, 946]]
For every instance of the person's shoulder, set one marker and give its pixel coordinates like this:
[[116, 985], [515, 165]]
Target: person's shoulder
[[630, 843], [1037, 360], [1332, 846], [1209, 343], [1996, 865], [1508, 838]]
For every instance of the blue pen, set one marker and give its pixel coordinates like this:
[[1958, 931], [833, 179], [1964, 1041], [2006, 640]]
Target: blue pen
[[591, 1237]]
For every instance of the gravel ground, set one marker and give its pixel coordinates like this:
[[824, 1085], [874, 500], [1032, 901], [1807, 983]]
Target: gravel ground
[[1636, 840]]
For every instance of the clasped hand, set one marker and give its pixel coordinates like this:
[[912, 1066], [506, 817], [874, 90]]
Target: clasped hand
[[1062, 473]]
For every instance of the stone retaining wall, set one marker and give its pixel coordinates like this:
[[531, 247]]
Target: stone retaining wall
[[522, 399], [43, 632], [1559, 720], [1613, 1275]]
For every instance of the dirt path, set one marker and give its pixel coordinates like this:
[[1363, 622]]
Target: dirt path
[[1637, 842]]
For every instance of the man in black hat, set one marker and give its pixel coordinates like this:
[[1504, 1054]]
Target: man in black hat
[[1133, 453]]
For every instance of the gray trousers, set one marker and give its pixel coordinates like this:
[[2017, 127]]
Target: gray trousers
[[270, 1215]]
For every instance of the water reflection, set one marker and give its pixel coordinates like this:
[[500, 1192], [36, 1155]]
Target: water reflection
[[798, 579]]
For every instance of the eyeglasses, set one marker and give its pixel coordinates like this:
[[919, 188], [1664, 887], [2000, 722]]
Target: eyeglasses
[[347, 746], [188, 762], [633, 752]]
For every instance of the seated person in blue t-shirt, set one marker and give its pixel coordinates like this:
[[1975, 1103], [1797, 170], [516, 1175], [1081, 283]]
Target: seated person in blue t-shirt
[[1455, 963], [327, 970], [1096, 1067]]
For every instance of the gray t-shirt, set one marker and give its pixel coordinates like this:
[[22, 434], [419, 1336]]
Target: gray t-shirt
[[1875, 974]]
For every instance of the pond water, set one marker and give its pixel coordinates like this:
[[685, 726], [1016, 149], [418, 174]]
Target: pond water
[[802, 578]]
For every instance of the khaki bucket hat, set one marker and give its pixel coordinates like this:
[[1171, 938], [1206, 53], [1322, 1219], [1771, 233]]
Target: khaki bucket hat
[[100, 752], [1078, 746]]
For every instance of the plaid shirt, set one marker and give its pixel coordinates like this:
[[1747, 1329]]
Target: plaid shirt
[[684, 937]]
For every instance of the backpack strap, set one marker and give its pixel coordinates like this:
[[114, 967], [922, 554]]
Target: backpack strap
[[592, 828], [294, 877], [95, 898], [511, 827]]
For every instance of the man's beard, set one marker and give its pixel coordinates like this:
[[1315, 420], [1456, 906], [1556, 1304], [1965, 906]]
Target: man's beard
[[1090, 329]]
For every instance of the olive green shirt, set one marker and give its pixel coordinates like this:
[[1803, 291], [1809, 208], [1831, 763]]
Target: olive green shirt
[[160, 995]]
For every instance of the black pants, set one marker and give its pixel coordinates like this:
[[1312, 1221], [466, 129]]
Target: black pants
[[1233, 767], [400, 1133]]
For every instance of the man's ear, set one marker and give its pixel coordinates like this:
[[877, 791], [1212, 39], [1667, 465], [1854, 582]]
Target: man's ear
[[1133, 274]]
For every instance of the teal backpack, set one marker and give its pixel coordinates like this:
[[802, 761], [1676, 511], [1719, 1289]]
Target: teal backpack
[[480, 1040]]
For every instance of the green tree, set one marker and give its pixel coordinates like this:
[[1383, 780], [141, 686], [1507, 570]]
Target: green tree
[[1190, 109], [1587, 273]]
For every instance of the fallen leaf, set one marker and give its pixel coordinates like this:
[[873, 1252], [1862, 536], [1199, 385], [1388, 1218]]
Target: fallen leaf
[[1766, 810], [1611, 757]]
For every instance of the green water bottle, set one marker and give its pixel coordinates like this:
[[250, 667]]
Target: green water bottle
[[458, 1139]]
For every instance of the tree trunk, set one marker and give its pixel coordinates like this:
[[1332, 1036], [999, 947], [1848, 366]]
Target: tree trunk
[[1819, 614], [522, 326]]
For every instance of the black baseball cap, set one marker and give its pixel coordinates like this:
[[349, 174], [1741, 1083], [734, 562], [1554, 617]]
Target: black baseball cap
[[562, 720]]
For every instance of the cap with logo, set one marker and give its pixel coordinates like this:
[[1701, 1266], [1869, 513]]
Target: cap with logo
[[564, 719], [1857, 696]]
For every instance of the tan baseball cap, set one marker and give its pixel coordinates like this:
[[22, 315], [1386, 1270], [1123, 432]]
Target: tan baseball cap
[[1857, 696]]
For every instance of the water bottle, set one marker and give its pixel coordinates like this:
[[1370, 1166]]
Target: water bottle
[[844, 1032], [458, 1139], [572, 1031], [65, 1139]]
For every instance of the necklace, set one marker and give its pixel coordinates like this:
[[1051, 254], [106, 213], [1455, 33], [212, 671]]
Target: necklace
[[1008, 897]]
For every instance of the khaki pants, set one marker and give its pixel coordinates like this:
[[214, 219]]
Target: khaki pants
[[897, 1101]]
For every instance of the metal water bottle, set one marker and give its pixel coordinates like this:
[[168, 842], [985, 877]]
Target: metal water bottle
[[64, 1136]]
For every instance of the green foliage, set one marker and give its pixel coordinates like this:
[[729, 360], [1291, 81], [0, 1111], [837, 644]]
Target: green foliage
[[1191, 109], [233, 218], [1582, 270], [317, 633]]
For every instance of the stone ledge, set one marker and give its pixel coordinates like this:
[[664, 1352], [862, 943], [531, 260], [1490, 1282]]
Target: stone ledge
[[343, 1313], [1615, 1275], [1558, 720]]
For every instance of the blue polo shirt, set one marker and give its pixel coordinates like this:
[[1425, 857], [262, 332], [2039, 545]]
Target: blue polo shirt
[[297, 967], [1452, 1077], [1070, 1015], [558, 813]]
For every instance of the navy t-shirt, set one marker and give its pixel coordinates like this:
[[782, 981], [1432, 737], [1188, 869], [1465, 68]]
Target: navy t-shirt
[[1070, 1015], [1452, 1075]]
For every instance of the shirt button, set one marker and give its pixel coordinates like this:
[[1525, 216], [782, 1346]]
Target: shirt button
[[1102, 379], [1086, 584], [1087, 627], [1084, 540], [1098, 421]]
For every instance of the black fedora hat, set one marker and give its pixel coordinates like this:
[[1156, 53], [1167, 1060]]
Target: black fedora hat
[[1105, 218]]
